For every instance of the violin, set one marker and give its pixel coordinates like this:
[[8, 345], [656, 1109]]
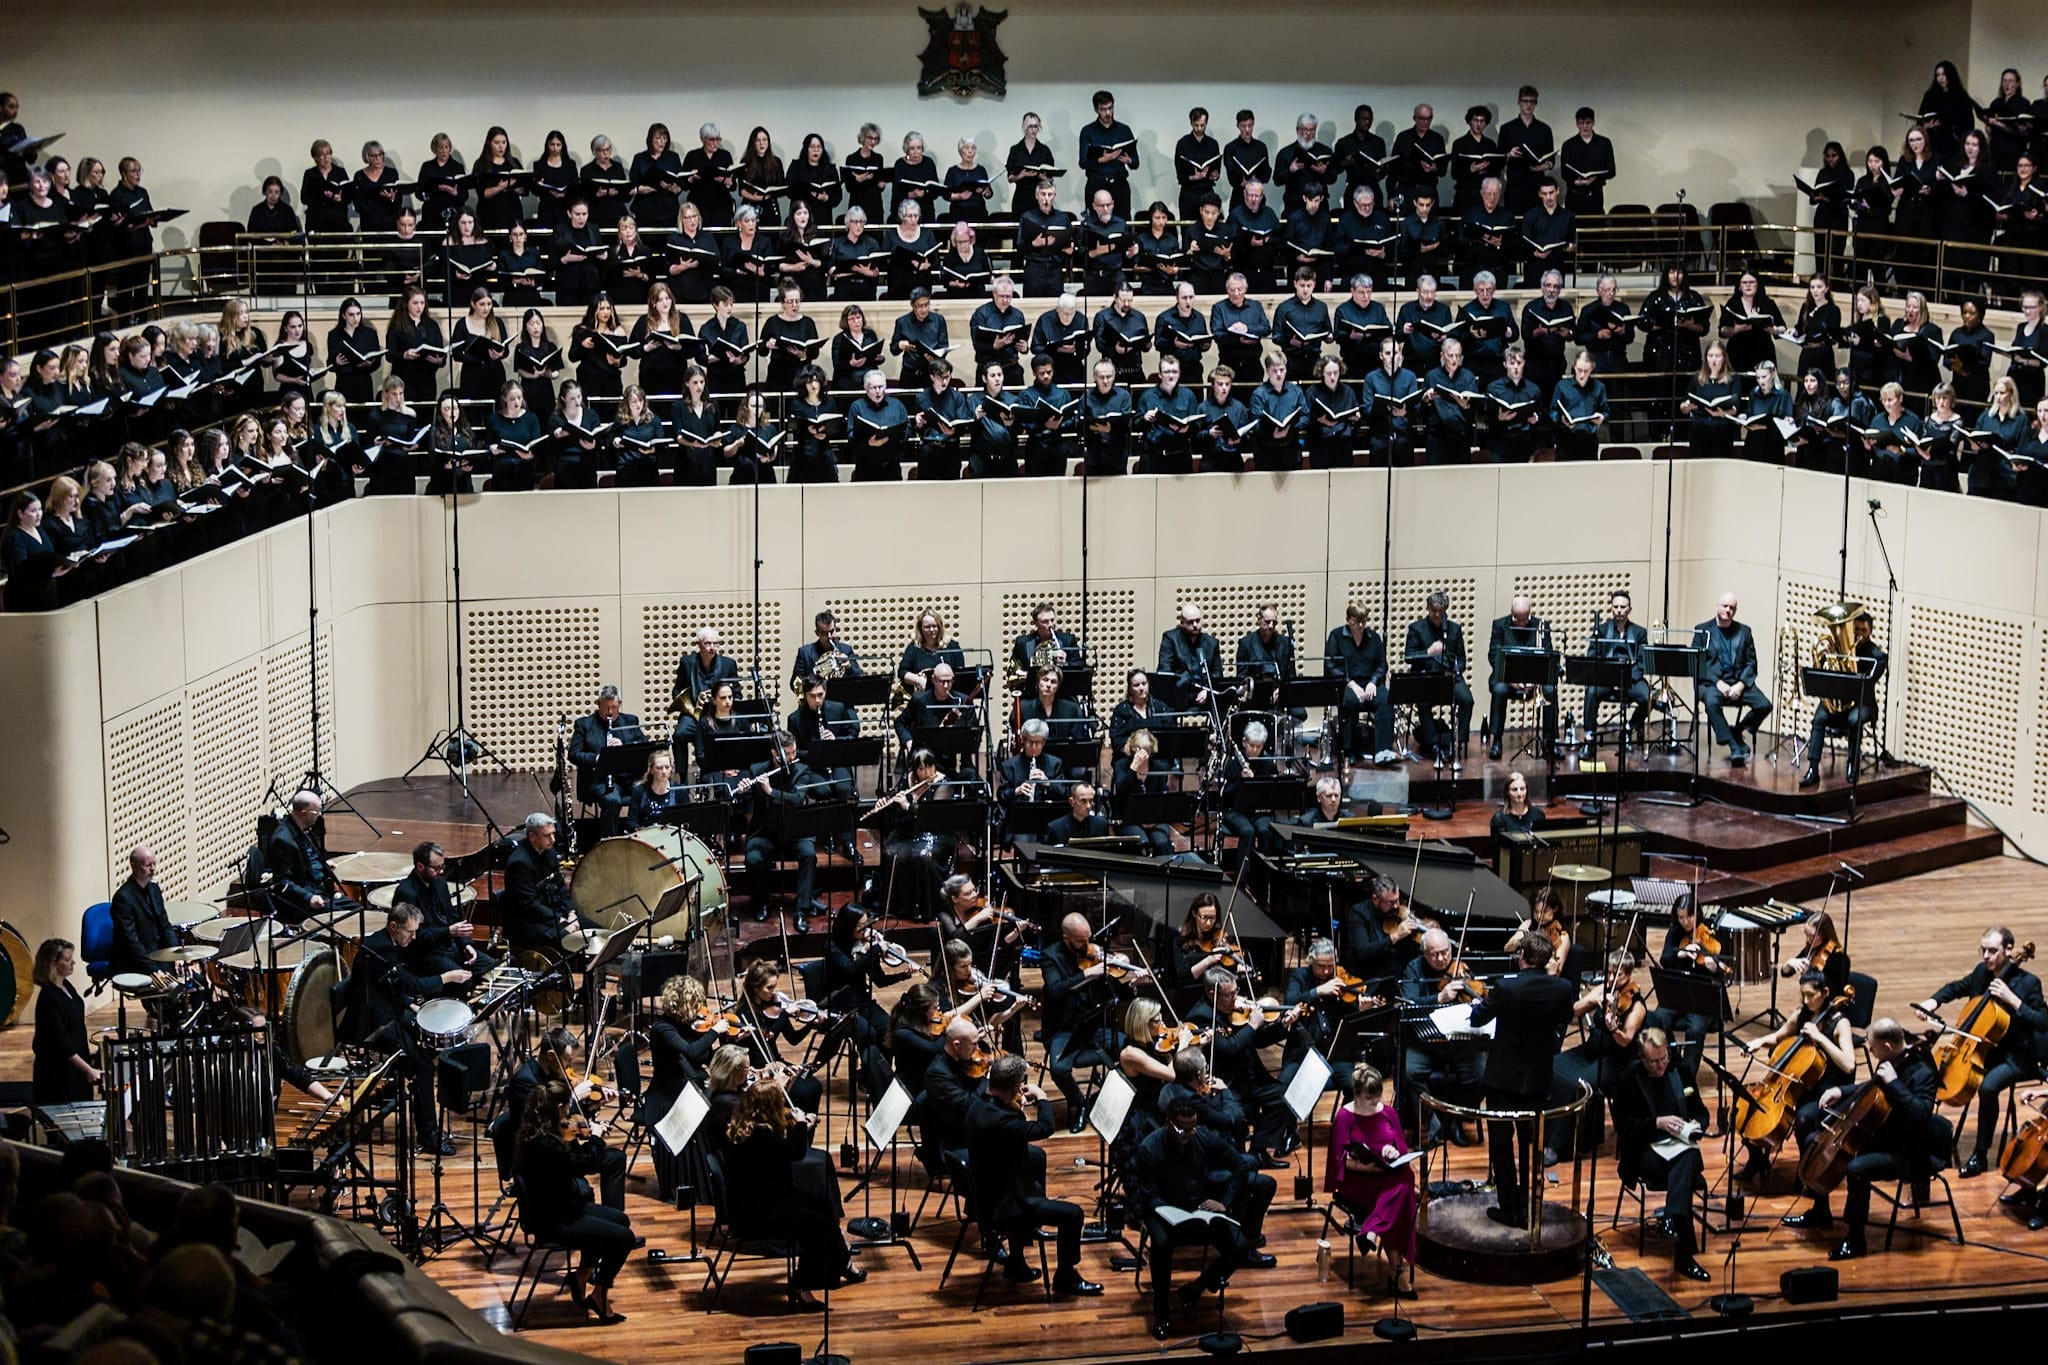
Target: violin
[[1173, 1038], [1462, 974], [1005, 994], [1963, 1051], [1701, 942], [1796, 1065], [1815, 961], [1623, 998], [985, 1055], [797, 1009], [1351, 988], [722, 1022], [1114, 965]]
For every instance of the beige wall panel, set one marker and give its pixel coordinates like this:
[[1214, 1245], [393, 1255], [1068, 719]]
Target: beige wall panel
[[394, 688], [886, 533], [1270, 523], [1590, 512], [56, 864], [1444, 521], [389, 550], [700, 540], [1356, 524], [223, 607], [1967, 551], [141, 641], [1726, 510], [284, 579], [528, 548], [1031, 529]]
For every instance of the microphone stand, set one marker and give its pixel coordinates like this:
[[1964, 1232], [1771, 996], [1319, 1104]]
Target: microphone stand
[[1891, 589], [314, 780]]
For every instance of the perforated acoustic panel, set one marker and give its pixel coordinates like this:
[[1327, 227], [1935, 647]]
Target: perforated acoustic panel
[[668, 630], [2041, 724], [525, 667], [878, 627], [288, 710], [225, 777], [1962, 698], [146, 794], [1570, 601], [1799, 634], [1410, 596], [1230, 611], [1112, 634]]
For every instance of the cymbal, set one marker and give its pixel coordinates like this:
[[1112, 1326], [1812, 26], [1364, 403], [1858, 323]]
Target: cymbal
[[383, 897], [372, 866], [346, 923], [1579, 872], [185, 914], [186, 952]]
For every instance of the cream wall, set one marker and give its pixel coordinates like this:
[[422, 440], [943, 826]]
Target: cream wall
[[1725, 101], [163, 710]]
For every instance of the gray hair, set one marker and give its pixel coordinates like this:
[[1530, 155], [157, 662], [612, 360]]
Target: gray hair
[[1324, 784], [1321, 947], [1550, 275], [907, 210], [599, 143], [1429, 280], [1607, 277], [1361, 281], [856, 214], [870, 129], [1069, 301], [609, 692], [1002, 282], [402, 912], [1255, 733], [955, 884], [912, 136], [746, 213], [1035, 728], [708, 130], [964, 143], [1492, 180], [1484, 277], [1439, 600], [539, 820], [1309, 119]]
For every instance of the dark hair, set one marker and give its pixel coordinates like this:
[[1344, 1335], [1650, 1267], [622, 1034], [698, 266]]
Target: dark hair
[[1585, 111], [1244, 114], [1182, 1106], [1479, 111], [1101, 97], [1197, 112]]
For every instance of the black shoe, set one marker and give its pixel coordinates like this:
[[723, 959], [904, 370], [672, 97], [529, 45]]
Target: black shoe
[[803, 922], [761, 913], [1738, 754], [1693, 1270], [2037, 1221], [1503, 1217], [1810, 778], [1493, 750], [1813, 1220], [1261, 1260], [1756, 1170], [1972, 1168], [1161, 1330], [1854, 772], [1020, 1273], [444, 1146], [639, 1241], [1069, 1281], [2018, 1195], [1269, 1162], [1079, 1123], [1665, 1227], [1848, 1249], [1191, 1294], [853, 1274]]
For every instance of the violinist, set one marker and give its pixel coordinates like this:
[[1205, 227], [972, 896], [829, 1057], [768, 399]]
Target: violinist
[[1378, 932], [1692, 949], [963, 910], [1546, 920], [680, 1042], [1008, 1173], [774, 1019], [555, 1152], [1242, 1034], [1823, 953], [1902, 1145], [1079, 987], [1327, 996], [726, 1078], [1999, 977], [1823, 1026], [1448, 1068], [857, 960], [1653, 1101], [1146, 1060], [1218, 1109], [994, 1002], [560, 1061], [914, 1039], [767, 1144], [1030, 775], [952, 1078], [1612, 1013], [1201, 946]]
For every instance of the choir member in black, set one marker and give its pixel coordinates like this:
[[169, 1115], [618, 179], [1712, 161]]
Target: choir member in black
[[1008, 1171], [943, 414], [466, 257], [1182, 332], [864, 173], [803, 252], [1029, 160], [1916, 196], [1532, 1008], [919, 338], [1905, 1146], [1489, 328], [1365, 241], [963, 269], [1765, 405], [1654, 1103], [1334, 414], [1222, 422], [1749, 324], [600, 349], [1968, 361], [1868, 340], [1166, 414], [1108, 154], [1834, 185], [1359, 154], [1521, 628], [1886, 433], [1046, 240], [1819, 416], [1946, 111], [1420, 154], [1727, 677], [1548, 235], [479, 345], [392, 471], [1210, 245], [2003, 425], [1107, 245], [1302, 163], [62, 1071], [404, 258], [967, 190], [1061, 334], [1673, 319], [814, 180], [1387, 394], [29, 556], [1872, 203], [998, 329], [1818, 328], [855, 351], [1239, 326], [877, 426], [792, 340], [1197, 163], [747, 257], [1122, 336], [1454, 390], [2023, 220], [605, 185], [500, 185], [2028, 353], [1529, 151], [270, 218], [2008, 122], [767, 1146], [632, 262], [690, 257], [1254, 226], [762, 184], [578, 251], [914, 179], [1586, 164], [1475, 159], [1186, 1167], [810, 425], [554, 180], [374, 191], [657, 177], [727, 345], [992, 438], [442, 193], [68, 528], [1912, 359], [1245, 157], [126, 203], [1605, 326], [353, 351], [1302, 324]]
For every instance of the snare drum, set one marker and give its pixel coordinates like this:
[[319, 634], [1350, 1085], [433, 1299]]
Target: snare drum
[[134, 983], [625, 878], [443, 1024]]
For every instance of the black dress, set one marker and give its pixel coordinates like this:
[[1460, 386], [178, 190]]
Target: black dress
[[60, 1036], [763, 1194]]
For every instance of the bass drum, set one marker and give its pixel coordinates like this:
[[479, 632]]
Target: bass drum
[[17, 984], [306, 1029], [648, 866]]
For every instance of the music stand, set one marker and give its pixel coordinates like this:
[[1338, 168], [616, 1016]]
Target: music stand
[[628, 760], [868, 689], [737, 753], [1159, 808], [954, 745], [950, 817], [708, 820], [1179, 742], [1256, 795], [1699, 995], [1419, 692], [1853, 691], [1077, 680], [1031, 818], [1536, 668], [1080, 757], [827, 755]]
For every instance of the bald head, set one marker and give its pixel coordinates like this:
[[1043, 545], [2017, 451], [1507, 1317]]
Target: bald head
[[1520, 608]]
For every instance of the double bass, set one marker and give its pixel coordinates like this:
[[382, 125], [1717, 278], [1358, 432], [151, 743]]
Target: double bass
[[1965, 1048], [1796, 1065]]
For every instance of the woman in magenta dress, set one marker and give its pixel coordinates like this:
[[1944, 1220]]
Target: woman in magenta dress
[[1383, 1201]]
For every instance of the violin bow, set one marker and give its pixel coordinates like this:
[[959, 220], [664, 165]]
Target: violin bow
[[1414, 877], [1165, 997]]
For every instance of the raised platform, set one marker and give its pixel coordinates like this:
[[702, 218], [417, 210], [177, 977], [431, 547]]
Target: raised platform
[[1460, 1242]]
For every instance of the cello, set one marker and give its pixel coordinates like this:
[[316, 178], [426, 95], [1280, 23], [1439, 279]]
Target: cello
[[1825, 1163], [2025, 1158], [1965, 1047], [1795, 1066]]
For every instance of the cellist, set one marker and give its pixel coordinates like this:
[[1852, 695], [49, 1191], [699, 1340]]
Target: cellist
[[1899, 1146], [2013, 1057], [1824, 1027]]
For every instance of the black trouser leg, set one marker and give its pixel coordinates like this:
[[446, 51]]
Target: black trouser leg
[[1993, 1088], [603, 1236]]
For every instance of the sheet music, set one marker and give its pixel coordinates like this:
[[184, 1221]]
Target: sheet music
[[887, 1115], [1307, 1086], [680, 1123], [1455, 1021], [1112, 1106]]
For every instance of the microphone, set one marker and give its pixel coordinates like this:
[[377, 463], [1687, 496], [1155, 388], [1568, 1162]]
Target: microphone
[[1875, 505], [1851, 871]]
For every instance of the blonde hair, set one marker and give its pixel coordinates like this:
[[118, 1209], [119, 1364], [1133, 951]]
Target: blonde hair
[[1140, 1018], [682, 997], [727, 1069]]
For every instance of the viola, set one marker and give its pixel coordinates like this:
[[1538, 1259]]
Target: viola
[[1352, 989], [722, 1022], [1964, 1050], [1459, 972], [1114, 965], [1815, 961], [1796, 1065], [1701, 942], [985, 1055], [1175, 1037]]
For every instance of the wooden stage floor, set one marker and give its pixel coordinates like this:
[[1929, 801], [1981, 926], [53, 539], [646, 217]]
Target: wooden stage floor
[[1911, 934]]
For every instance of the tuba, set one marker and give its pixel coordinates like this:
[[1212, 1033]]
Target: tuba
[[1835, 650]]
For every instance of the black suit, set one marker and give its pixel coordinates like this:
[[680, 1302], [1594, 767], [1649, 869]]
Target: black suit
[[377, 1003], [141, 926], [1415, 649], [840, 718], [784, 789], [1729, 656], [1908, 1144], [1021, 648], [1364, 663], [924, 710], [1640, 1099], [299, 870], [1065, 829], [1871, 662], [1015, 772], [1008, 1173], [1194, 663], [1533, 1008], [537, 908], [699, 680], [1074, 1035], [587, 744], [1608, 640], [1208, 1167], [807, 657], [949, 1093], [435, 949], [1498, 685]]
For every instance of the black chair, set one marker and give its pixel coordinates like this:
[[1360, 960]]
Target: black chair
[[991, 1243], [731, 1239], [1915, 1189], [632, 1098], [503, 1155], [1342, 1216], [1863, 1008], [539, 1251], [1638, 1190]]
